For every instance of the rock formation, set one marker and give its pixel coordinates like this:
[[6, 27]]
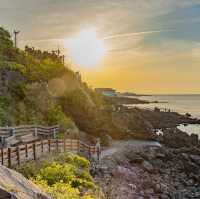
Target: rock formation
[[14, 185]]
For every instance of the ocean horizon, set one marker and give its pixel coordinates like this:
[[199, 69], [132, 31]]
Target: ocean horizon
[[181, 103]]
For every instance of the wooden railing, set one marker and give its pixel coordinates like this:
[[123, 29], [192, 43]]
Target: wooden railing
[[27, 129], [13, 156]]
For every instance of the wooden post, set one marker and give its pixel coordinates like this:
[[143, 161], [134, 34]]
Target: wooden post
[[13, 132], [9, 157], [71, 145], [3, 140], [34, 151], [64, 144], [90, 151], [18, 156], [2, 154], [26, 150], [49, 144], [42, 146], [54, 133], [57, 145], [36, 132], [78, 145]]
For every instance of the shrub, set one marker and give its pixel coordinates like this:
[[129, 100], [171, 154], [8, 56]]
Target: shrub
[[56, 116], [61, 190], [64, 176]]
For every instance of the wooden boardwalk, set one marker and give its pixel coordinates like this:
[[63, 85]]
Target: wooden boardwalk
[[13, 156]]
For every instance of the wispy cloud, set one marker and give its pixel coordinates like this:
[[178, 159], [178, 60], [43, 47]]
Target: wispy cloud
[[131, 34]]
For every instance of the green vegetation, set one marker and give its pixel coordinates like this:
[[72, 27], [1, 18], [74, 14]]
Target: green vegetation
[[29, 96], [42, 90], [3, 109], [63, 177]]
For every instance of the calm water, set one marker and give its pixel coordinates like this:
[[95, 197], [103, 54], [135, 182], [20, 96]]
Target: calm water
[[179, 103]]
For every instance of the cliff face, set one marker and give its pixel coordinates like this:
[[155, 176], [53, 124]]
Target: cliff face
[[15, 185]]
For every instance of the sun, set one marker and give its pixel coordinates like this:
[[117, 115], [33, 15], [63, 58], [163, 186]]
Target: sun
[[86, 49]]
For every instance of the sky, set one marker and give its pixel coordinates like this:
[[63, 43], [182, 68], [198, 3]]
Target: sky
[[153, 46]]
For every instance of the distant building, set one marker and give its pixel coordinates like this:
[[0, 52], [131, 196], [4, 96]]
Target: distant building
[[109, 92]]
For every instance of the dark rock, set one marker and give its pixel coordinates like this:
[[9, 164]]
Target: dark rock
[[194, 139], [158, 188], [164, 196], [178, 195], [176, 139], [161, 156], [190, 167], [148, 167], [134, 158], [195, 159]]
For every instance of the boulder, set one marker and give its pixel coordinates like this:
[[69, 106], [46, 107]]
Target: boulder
[[194, 139], [148, 167], [13, 184]]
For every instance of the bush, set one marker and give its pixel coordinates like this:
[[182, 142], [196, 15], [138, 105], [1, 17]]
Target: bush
[[56, 116], [64, 176], [61, 190]]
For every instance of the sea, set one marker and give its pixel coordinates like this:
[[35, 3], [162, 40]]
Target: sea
[[178, 103]]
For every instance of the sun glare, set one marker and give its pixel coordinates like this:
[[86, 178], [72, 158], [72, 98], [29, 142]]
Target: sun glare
[[86, 49]]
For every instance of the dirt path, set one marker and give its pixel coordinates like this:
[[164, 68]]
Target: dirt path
[[119, 145]]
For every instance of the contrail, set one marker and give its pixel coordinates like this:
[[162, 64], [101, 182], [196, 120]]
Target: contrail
[[134, 34], [131, 34]]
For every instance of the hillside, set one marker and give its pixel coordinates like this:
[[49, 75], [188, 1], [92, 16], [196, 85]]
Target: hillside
[[37, 88]]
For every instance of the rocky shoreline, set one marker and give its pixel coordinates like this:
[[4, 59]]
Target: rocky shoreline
[[169, 171], [150, 172], [141, 124], [120, 100]]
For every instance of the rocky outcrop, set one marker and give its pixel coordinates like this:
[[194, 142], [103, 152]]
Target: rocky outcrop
[[132, 124], [163, 120], [14, 185], [125, 100], [175, 138], [151, 172]]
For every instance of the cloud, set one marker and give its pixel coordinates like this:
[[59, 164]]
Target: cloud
[[134, 34]]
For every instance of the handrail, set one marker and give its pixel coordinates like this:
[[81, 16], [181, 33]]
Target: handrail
[[13, 156], [6, 131]]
